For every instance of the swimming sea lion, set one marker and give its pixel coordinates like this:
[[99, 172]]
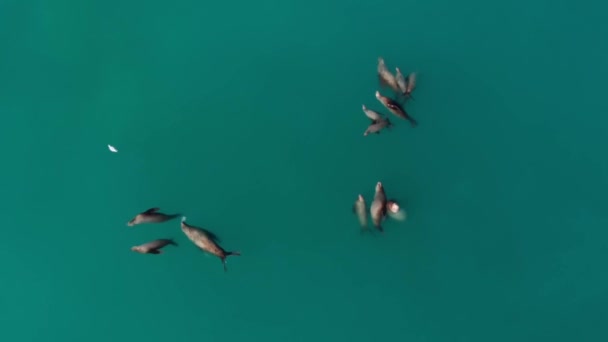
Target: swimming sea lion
[[411, 84], [371, 114], [400, 81], [377, 126], [385, 77], [360, 209], [394, 211], [392, 206], [153, 247], [151, 216], [206, 241], [395, 108], [378, 207]]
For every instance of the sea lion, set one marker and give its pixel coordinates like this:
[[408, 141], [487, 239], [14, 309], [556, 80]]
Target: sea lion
[[401, 83], [371, 114], [395, 108], [392, 206], [360, 209], [385, 77], [394, 211], [377, 126], [151, 216], [153, 247], [378, 207], [206, 241], [411, 84]]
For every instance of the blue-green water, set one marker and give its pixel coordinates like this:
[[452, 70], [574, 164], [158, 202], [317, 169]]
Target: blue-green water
[[246, 117]]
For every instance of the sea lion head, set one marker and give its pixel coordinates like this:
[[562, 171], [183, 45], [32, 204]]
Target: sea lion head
[[137, 249], [134, 221], [378, 95], [378, 186], [392, 206], [361, 198]]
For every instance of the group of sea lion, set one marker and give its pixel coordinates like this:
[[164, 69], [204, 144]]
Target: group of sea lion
[[202, 238], [402, 87], [379, 209]]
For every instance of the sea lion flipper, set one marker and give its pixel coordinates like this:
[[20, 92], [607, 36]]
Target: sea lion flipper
[[151, 210]]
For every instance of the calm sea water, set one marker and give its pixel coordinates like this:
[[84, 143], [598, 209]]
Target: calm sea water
[[246, 117]]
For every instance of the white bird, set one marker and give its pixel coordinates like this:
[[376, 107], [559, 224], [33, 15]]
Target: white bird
[[112, 148]]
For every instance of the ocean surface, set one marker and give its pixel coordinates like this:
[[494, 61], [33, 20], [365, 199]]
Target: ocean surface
[[245, 117]]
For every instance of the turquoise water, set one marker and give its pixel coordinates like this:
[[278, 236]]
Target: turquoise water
[[246, 117]]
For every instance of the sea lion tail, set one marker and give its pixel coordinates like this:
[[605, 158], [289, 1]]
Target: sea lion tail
[[173, 216], [172, 242], [227, 255], [413, 122]]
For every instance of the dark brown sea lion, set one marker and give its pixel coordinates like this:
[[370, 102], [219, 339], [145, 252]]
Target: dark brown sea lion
[[378, 207], [151, 216], [206, 241], [153, 247], [395, 108]]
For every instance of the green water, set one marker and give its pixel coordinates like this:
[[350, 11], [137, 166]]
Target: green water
[[246, 117]]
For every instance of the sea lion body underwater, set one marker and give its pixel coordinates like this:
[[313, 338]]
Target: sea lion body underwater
[[153, 247], [385, 77], [378, 121], [377, 126], [401, 83], [411, 84], [378, 207], [206, 241], [151, 216], [360, 209], [394, 211], [395, 108], [371, 114]]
